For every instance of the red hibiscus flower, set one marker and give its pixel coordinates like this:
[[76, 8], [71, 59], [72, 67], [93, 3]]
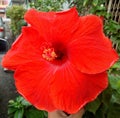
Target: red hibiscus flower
[[60, 60]]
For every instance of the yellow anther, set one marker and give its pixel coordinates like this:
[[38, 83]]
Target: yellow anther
[[49, 54]]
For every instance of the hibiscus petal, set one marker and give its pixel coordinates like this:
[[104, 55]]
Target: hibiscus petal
[[42, 21], [53, 25], [64, 24], [71, 89], [25, 49], [32, 81], [91, 48]]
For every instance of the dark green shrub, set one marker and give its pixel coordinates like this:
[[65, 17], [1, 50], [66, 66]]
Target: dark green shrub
[[20, 108], [47, 5], [16, 14]]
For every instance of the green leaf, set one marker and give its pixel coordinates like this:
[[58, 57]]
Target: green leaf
[[116, 65], [93, 106], [34, 113], [25, 103], [115, 82], [45, 113], [106, 96], [101, 112], [85, 2], [114, 111], [95, 2], [19, 98], [115, 97], [19, 113], [11, 110]]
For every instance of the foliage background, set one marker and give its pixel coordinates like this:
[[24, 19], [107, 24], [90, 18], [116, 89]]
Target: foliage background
[[107, 105], [16, 14]]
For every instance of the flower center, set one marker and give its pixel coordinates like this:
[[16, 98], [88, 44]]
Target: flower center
[[49, 54]]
